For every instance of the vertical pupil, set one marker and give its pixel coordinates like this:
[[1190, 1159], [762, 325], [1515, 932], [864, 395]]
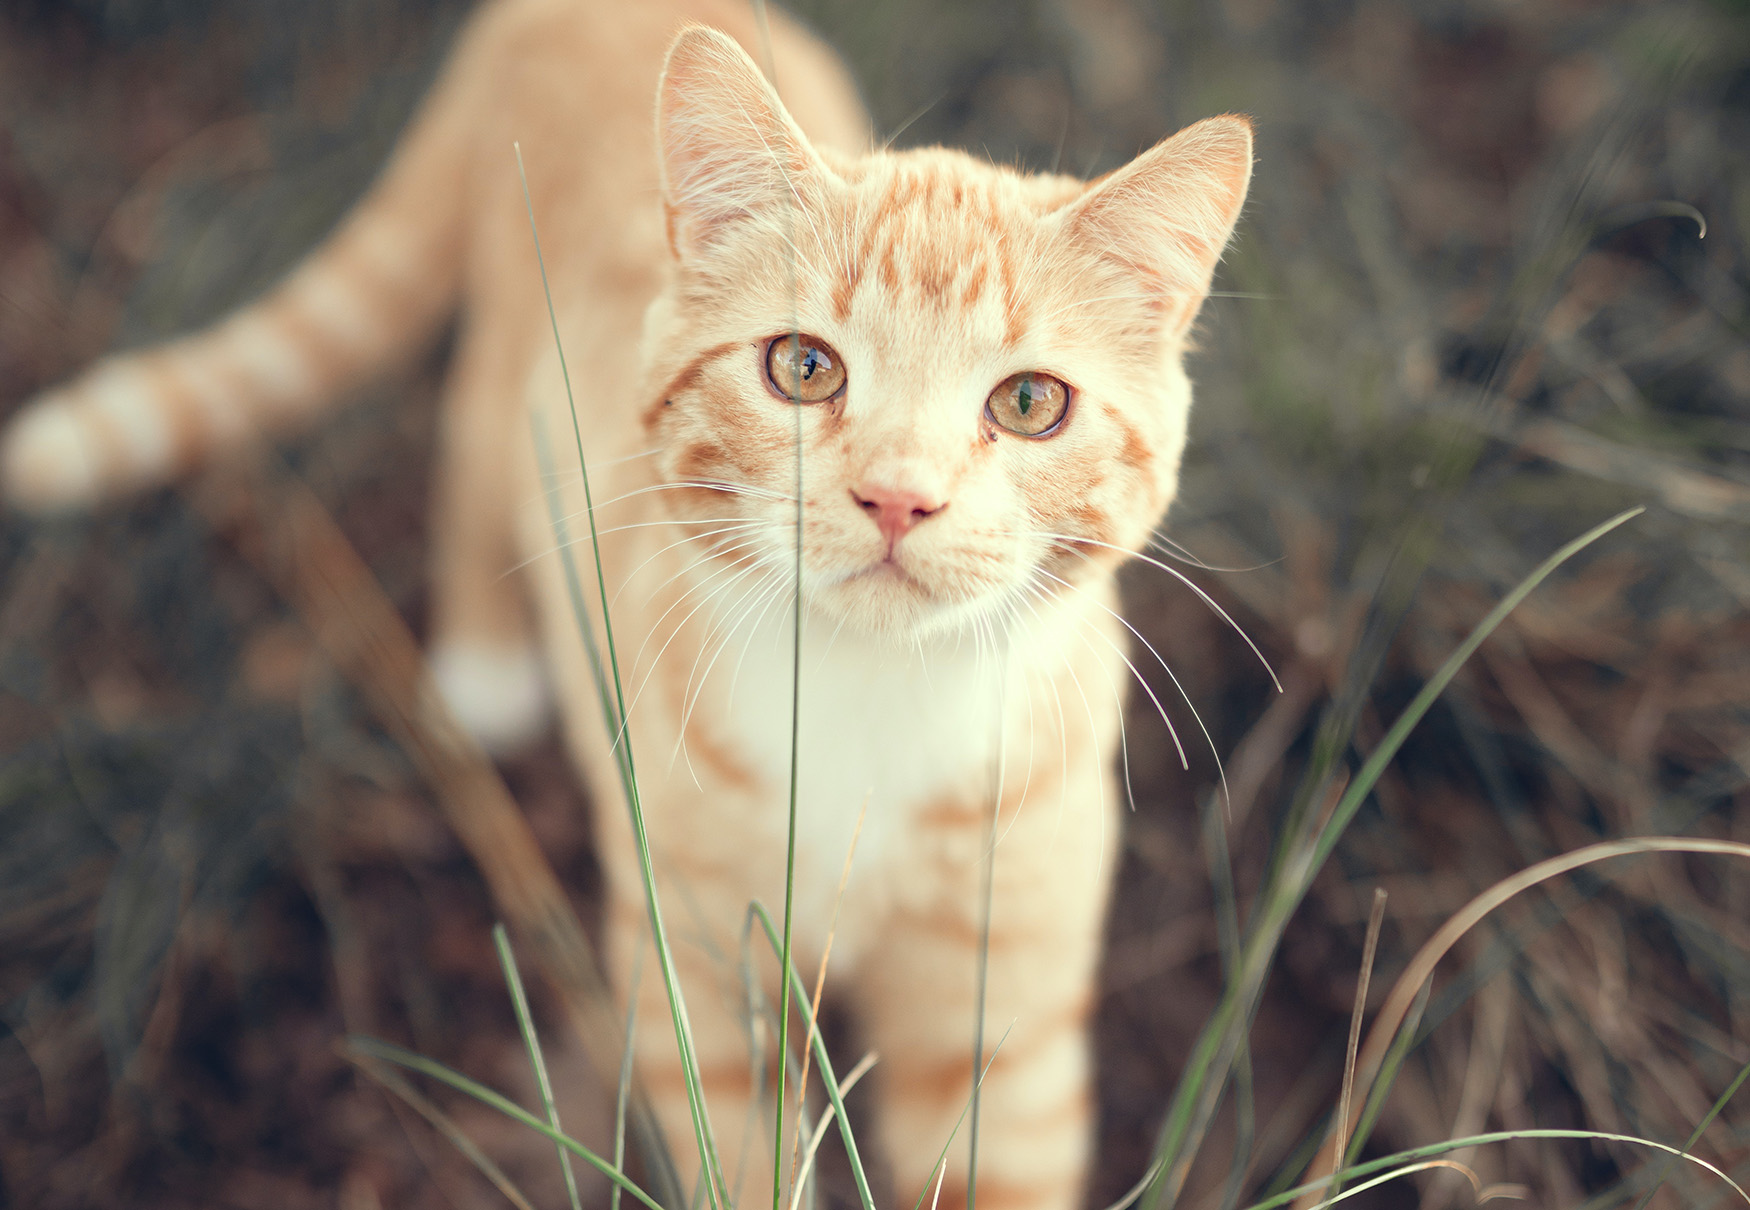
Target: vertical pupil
[[1024, 395], [810, 363]]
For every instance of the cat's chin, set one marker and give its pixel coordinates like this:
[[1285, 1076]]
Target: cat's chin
[[887, 602]]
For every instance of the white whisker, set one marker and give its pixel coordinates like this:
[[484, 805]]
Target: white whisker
[[728, 624], [1094, 730], [1174, 550], [1093, 733], [1183, 579], [831, 639], [1062, 741], [675, 633], [1118, 700], [715, 551], [583, 540], [1209, 739], [781, 582], [1184, 762], [743, 605], [713, 548], [732, 489], [570, 473]]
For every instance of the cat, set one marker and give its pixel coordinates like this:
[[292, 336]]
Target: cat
[[982, 373]]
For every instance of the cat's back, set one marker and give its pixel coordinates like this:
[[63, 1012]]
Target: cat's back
[[601, 59], [574, 83], [445, 229]]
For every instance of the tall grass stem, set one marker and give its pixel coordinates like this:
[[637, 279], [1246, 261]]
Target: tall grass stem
[[1291, 876], [709, 1163], [525, 1023]]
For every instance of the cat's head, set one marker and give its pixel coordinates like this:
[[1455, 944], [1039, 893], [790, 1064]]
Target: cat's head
[[983, 368]]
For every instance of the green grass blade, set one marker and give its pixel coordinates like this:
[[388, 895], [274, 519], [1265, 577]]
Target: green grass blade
[[803, 1182], [708, 1158], [1363, 783], [1227, 932], [623, 1093], [390, 1053], [1695, 1136], [1396, 1174], [1401, 1044], [1199, 1091], [1245, 1127], [1334, 735], [1375, 921], [577, 434], [942, 1155], [1298, 1160], [1135, 1191], [756, 1006], [525, 1023], [1413, 1155], [574, 587], [446, 1126], [986, 891], [770, 67], [649, 1131], [790, 832], [828, 1077], [981, 973]]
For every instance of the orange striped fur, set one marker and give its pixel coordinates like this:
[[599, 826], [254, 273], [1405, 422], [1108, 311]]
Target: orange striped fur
[[958, 642]]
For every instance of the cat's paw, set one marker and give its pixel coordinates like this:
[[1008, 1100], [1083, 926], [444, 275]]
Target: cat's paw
[[46, 462], [496, 691]]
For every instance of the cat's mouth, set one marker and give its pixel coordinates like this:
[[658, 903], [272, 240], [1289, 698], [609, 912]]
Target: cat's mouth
[[891, 596], [906, 592], [888, 571]]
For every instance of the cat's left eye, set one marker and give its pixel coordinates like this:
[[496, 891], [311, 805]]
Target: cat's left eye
[[1029, 404], [804, 369]]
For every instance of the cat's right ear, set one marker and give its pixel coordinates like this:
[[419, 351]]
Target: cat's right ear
[[1167, 215], [730, 150]]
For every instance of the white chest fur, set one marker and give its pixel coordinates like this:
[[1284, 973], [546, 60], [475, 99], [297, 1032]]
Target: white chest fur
[[884, 732]]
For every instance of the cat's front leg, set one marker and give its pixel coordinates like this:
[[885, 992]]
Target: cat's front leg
[[483, 655], [1052, 871], [733, 1053]]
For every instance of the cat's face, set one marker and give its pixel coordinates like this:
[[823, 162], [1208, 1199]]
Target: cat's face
[[980, 370]]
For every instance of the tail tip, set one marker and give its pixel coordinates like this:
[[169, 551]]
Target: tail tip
[[46, 463]]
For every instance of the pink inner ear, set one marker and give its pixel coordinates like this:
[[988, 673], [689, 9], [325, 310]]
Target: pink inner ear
[[1168, 214], [729, 148]]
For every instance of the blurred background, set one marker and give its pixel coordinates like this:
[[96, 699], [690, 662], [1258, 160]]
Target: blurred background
[[1470, 314]]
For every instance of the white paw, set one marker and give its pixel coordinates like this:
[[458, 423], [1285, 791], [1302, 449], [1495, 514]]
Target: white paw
[[46, 462], [497, 692]]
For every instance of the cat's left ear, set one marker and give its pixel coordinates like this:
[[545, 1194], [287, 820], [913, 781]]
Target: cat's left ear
[[730, 150], [1167, 215]]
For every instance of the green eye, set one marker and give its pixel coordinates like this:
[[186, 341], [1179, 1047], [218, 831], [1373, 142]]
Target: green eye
[[1029, 404]]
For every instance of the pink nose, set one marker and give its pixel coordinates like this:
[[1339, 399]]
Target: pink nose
[[894, 510]]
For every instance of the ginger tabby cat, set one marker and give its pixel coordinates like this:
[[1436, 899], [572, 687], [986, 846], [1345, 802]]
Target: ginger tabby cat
[[984, 371]]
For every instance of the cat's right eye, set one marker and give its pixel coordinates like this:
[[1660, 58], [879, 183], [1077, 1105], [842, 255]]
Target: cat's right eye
[[804, 369]]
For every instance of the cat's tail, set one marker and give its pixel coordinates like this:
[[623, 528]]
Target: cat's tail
[[365, 300]]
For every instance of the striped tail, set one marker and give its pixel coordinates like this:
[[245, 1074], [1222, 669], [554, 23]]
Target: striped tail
[[363, 301]]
